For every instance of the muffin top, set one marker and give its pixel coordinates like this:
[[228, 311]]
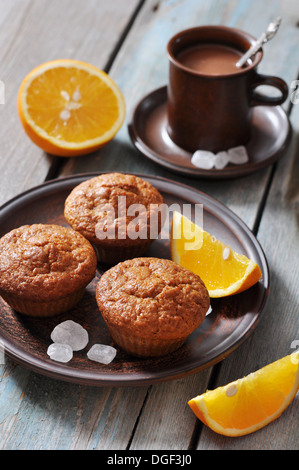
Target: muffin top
[[43, 262], [152, 296], [102, 208]]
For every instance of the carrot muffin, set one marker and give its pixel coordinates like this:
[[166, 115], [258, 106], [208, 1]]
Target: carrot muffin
[[44, 269], [119, 214], [151, 305]]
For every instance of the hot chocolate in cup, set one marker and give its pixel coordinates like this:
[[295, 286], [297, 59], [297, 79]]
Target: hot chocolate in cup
[[210, 101]]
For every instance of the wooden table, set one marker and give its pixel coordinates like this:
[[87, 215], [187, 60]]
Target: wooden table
[[128, 39]]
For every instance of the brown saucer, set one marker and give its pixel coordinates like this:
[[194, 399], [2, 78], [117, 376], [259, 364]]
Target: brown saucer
[[232, 320], [148, 131]]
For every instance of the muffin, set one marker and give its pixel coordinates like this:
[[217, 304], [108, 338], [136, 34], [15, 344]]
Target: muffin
[[44, 269], [119, 214], [151, 305]]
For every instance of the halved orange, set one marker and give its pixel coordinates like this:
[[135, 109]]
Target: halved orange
[[223, 271], [250, 403], [69, 107]]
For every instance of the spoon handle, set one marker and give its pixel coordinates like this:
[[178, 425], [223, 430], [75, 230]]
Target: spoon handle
[[253, 49], [266, 36]]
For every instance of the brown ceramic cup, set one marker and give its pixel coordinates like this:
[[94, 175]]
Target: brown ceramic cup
[[214, 112]]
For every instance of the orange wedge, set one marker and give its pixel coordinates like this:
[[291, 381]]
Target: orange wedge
[[250, 403], [223, 271], [69, 107]]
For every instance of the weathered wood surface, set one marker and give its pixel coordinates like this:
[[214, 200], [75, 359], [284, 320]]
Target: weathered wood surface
[[40, 413]]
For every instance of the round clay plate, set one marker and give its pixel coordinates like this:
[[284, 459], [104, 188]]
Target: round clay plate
[[271, 132], [26, 339]]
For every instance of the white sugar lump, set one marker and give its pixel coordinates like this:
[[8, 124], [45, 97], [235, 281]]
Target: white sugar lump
[[60, 352], [71, 333], [221, 160], [207, 160], [101, 353], [238, 155], [203, 159]]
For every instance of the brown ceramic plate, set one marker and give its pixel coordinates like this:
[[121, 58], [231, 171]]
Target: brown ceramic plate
[[271, 132], [232, 319]]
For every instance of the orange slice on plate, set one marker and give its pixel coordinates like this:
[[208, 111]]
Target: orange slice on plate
[[69, 107], [250, 403], [223, 271]]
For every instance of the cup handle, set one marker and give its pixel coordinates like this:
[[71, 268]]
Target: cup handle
[[258, 99]]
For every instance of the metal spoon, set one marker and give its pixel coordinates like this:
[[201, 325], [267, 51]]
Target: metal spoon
[[265, 37]]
